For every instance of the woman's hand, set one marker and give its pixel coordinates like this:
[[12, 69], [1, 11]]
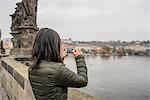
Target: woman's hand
[[76, 52], [63, 53]]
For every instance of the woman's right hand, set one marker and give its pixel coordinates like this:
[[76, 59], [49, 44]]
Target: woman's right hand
[[76, 52]]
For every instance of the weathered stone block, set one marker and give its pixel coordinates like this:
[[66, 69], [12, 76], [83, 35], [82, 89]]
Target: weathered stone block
[[10, 69], [3, 78], [9, 79], [75, 94], [19, 78], [4, 65], [28, 89], [8, 91], [15, 88], [27, 97], [20, 93]]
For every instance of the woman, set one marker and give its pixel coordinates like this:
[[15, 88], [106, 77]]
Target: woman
[[48, 75]]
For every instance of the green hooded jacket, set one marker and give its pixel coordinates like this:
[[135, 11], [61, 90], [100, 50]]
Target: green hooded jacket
[[51, 80]]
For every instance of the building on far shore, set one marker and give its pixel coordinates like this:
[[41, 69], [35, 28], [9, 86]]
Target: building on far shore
[[67, 41], [7, 45]]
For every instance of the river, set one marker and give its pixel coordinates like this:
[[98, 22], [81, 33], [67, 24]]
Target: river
[[119, 78]]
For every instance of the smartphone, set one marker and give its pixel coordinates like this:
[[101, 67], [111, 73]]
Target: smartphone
[[69, 50]]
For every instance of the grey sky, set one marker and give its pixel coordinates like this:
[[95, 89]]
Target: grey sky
[[88, 19]]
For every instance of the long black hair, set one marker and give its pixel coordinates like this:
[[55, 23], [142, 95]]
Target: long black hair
[[46, 47]]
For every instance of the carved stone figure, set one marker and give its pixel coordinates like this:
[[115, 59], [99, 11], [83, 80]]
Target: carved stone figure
[[24, 26]]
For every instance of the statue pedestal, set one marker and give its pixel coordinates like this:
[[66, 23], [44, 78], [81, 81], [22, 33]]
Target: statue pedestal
[[21, 52], [23, 39]]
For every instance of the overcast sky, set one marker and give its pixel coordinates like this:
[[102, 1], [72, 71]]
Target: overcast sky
[[88, 19]]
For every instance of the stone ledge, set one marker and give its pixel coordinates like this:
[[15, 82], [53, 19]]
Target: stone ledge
[[15, 81]]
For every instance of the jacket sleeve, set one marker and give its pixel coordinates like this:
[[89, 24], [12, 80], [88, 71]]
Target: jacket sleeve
[[67, 78]]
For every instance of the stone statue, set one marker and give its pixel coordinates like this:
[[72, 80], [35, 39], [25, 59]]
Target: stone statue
[[24, 26], [25, 14]]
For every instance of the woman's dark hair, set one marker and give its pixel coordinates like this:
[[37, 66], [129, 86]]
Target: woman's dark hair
[[46, 47]]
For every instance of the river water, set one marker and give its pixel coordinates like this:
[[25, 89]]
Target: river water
[[119, 78]]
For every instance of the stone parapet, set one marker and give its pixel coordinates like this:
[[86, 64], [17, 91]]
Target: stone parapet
[[14, 78]]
